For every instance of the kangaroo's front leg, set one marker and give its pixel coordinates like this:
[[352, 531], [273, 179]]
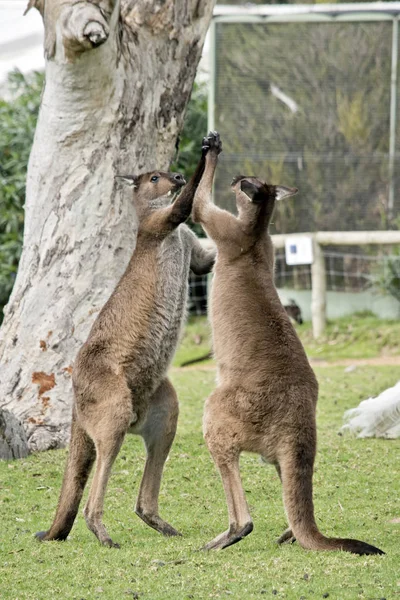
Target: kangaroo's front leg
[[220, 225], [202, 258], [158, 433], [202, 206]]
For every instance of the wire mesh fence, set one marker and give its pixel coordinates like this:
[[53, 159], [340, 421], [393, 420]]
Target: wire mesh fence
[[345, 271], [308, 104], [198, 291]]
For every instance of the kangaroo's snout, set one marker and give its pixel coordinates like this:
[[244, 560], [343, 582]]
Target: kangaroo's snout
[[179, 179]]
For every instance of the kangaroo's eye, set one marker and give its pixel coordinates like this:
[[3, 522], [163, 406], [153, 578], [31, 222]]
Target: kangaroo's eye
[[154, 178]]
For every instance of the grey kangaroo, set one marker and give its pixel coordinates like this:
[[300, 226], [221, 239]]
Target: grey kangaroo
[[119, 376], [267, 392]]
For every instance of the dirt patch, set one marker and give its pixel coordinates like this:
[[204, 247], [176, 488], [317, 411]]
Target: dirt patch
[[377, 361]]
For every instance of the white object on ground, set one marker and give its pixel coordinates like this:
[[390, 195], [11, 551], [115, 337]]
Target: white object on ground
[[376, 417]]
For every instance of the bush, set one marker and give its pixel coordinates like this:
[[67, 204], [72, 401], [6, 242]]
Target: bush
[[194, 129], [18, 115], [388, 280]]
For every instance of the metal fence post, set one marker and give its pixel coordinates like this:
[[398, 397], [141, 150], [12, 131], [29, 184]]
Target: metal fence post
[[393, 114], [212, 77], [318, 292]]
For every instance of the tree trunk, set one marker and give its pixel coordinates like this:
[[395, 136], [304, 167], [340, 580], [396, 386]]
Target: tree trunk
[[118, 78], [13, 442]]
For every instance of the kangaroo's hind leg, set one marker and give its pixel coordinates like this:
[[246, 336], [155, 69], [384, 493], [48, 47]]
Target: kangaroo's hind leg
[[80, 460], [158, 433], [108, 425], [222, 432]]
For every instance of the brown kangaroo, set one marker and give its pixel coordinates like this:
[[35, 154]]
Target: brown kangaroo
[[119, 376], [267, 392]]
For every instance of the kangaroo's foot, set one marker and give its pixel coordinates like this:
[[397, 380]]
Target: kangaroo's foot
[[43, 536], [287, 537], [157, 523], [97, 527], [229, 537], [48, 536]]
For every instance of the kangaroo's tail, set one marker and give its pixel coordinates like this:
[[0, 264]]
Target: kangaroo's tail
[[296, 473], [80, 461]]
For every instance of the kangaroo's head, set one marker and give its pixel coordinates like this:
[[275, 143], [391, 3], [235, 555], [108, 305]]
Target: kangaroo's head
[[154, 189], [256, 198]]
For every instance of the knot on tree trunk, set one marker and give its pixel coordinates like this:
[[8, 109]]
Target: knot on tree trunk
[[83, 26]]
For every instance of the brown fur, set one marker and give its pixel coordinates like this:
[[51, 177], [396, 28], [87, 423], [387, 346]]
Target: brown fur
[[267, 392], [119, 376]]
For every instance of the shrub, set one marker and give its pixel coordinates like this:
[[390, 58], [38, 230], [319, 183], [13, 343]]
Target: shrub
[[18, 115]]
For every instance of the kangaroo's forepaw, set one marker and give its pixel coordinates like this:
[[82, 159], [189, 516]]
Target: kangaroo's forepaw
[[229, 537], [41, 536], [212, 143], [157, 523]]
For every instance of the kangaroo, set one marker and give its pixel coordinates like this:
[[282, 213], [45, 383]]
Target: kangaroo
[[267, 392], [119, 376], [294, 311]]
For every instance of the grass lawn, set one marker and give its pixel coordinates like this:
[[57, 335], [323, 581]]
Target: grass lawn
[[357, 490], [356, 337]]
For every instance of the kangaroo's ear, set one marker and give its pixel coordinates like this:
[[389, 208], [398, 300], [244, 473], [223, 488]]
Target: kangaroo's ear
[[131, 180], [284, 192]]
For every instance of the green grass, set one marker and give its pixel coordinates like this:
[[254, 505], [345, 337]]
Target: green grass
[[356, 494], [195, 342], [356, 337]]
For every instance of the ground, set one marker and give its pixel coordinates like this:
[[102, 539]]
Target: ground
[[350, 340], [356, 494]]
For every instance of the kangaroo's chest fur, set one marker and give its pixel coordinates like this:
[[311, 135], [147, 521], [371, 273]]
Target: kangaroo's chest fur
[[255, 344], [137, 331], [167, 314]]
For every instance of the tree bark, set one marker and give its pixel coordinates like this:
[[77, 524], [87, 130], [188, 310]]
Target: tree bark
[[118, 78], [13, 442]]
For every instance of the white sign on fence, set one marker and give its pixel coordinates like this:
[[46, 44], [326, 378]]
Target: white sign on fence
[[299, 250]]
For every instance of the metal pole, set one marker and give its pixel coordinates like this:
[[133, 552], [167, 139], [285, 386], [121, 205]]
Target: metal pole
[[393, 114], [318, 291], [212, 74]]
